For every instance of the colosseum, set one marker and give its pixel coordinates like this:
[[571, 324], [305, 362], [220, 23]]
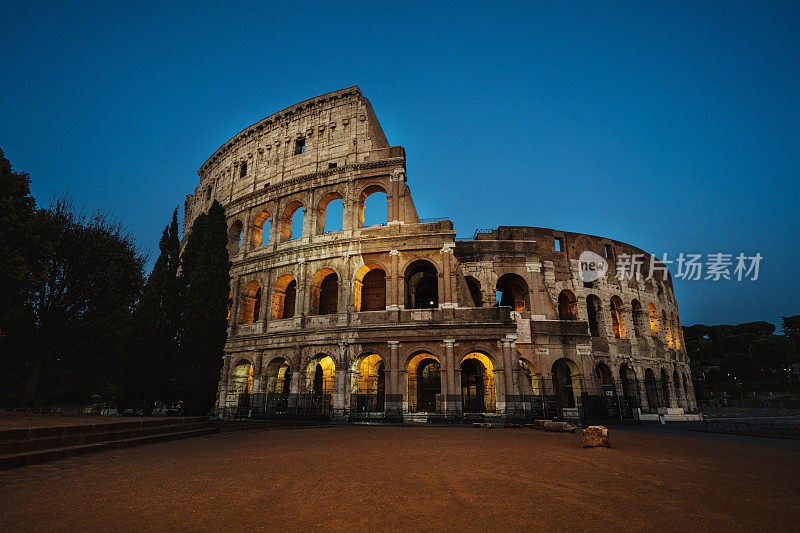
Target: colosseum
[[338, 313]]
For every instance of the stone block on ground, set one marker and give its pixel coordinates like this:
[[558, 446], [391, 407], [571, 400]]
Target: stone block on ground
[[539, 424], [596, 436], [562, 427]]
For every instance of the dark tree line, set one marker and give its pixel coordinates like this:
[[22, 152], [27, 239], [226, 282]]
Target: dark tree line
[[80, 323], [750, 355]]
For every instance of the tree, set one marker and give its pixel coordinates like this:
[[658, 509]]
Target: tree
[[791, 328], [205, 272], [91, 276], [18, 248], [152, 348]]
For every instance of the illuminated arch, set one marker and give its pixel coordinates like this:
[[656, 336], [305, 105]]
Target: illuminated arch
[[369, 381], [422, 285], [477, 383], [284, 296], [529, 378], [513, 291], [322, 211], [617, 318], [638, 319], [320, 378], [250, 303], [653, 315], [324, 292], [566, 382], [424, 383], [261, 224], [370, 288], [567, 305], [241, 378]]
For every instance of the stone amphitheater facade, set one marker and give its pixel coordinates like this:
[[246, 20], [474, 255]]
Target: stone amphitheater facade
[[401, 317]]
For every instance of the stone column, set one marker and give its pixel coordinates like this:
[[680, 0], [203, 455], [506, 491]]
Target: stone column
[[258, 377], [392, 294], [451, 400], [394, 395], [512, 392], [447, 257]]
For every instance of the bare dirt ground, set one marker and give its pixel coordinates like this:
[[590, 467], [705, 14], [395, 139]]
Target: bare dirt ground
[[359, 478], [12, 420]]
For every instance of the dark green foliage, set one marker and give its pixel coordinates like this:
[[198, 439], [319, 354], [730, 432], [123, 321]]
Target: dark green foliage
[[90, 276], [791, 328], [205, 272], [152, 348]]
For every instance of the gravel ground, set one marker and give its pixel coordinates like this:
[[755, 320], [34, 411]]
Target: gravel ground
[[360, 478]]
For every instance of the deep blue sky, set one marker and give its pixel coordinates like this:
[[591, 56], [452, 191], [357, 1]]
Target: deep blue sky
[[672, 126]]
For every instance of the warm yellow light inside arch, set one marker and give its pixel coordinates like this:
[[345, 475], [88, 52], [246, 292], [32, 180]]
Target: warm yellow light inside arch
[[488, 376]]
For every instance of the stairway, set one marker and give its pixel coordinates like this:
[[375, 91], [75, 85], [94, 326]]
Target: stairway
[[21, 447]]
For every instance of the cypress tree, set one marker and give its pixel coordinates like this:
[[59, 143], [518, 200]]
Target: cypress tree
[[205, 271], [152, 352]]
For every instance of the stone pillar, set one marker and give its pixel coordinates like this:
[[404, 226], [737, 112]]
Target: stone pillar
[[223, 393], [452, 400], [301, 296], [447, 257], [395, 216], [258, 374], [394, 394], [341, 383], [392, 294], [512, 392]]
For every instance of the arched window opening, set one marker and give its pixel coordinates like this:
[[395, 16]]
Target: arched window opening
[[665, 388], [234, 237], [474, 287], [242, 379], [604, 377], [513, 292], [370, 288], [638, 318], [370, 384], [292, 222], [567, 306], [422, 286], [325, 292], [373, 207], [651, 389], [251, 303], [667, 332], [424, 384], [629, 385], [330, 215], [530, 380], [283, 297], [593, 310], [260, 232], [676, 336], [320, 380], [563, 372], [653, 314], [477, 384], [617, 321], [278, 377]]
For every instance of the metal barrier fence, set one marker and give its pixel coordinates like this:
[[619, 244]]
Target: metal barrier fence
[[763, 428]]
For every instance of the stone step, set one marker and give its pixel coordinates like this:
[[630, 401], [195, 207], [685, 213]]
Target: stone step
[[16, 460], [93, 437], [80, 429]]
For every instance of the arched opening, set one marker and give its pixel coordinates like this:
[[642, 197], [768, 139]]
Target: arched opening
[[283, 297], [324, 292], [651, 389], [513, 292], [241, 379], [370, 385], [320, 381], [373, 207], [665, 387], [330, 214], [370, 288], [667, 331], [676, 337], [424, 384], [617, 322], [251, 303], [292, 222], [422, 285], [676, 383], [629, 385], [234, 237], [593, 313], [653, 315], [477, 384], [230, 303], [605, 379], [567, 306], [260, 231], [564, 374], [474, 287], [529, 378], [278, 384], [638, 319]]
